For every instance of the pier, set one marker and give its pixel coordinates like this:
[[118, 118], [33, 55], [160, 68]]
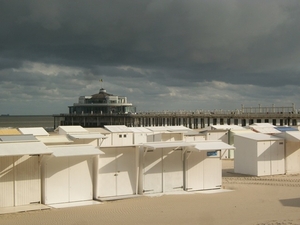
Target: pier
[[278, 116]]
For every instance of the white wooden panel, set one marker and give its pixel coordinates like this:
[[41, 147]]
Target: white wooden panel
[[140, 138], [172, 170], [264, 157], [28, 182], [126, 171], [277, 157], [292, 157], [152, 180], [127, 139], [194, 171], [56, 180], [81, 177], [107, 174], [212, 174], [6, 181]]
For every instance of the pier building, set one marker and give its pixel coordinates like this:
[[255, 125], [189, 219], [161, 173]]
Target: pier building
[[102, 103], [89, 114]]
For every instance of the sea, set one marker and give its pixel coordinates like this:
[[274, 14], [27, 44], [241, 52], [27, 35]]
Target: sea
[[17, 121]]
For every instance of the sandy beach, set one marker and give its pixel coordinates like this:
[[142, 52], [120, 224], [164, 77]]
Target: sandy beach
[[272, 200]]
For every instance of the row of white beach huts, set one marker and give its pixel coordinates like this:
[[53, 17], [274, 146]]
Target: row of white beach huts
[[76, 164]]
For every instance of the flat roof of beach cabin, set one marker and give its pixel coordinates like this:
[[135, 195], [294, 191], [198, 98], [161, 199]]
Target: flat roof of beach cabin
[[36, 131], [22, 145], [71, 129], [258, 136]]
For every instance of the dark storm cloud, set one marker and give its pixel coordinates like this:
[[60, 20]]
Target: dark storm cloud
[[200, 37], [149, 48]]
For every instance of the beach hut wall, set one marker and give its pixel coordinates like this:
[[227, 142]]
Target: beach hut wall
[[67, 174], [20, 182], [292, 151]]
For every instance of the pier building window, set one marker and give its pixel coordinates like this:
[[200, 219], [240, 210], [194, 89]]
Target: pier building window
[[236, 122], [214, 121], [243, 122], [221, 121], [228, 121], [281, 122]]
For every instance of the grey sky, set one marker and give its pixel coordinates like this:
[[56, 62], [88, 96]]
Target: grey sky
[[161, 54]]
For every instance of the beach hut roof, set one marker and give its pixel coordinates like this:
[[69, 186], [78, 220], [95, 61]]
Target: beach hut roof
[[54, 139], [17, 138], [227, 127], [258, 136], [139, 130], [23, 148], [118, 128], [211, 145], [284, 129], [164, 144], [87, 136], [74, 150], [36, 131], [71, 129]]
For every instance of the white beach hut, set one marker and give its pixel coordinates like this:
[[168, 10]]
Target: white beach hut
[[67, 174], [116, 172], [259, 154], [161, 167], [20, 181], [292, 151], [203, 165]]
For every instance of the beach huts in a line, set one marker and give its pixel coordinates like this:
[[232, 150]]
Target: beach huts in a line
[[76, 164]]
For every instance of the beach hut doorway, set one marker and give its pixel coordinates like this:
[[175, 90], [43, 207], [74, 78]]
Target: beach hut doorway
[[20, 181], [163, 171], [67, 175], [203, 170], [203, 165], [161, 167], [116, 173]]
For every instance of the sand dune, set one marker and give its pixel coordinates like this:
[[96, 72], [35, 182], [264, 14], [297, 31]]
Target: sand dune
[[250, 201]]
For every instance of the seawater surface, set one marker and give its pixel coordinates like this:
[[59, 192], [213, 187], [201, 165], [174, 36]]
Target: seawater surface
[[12, 121]]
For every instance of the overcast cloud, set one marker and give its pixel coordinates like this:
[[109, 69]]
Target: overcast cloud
[[162, 54]]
